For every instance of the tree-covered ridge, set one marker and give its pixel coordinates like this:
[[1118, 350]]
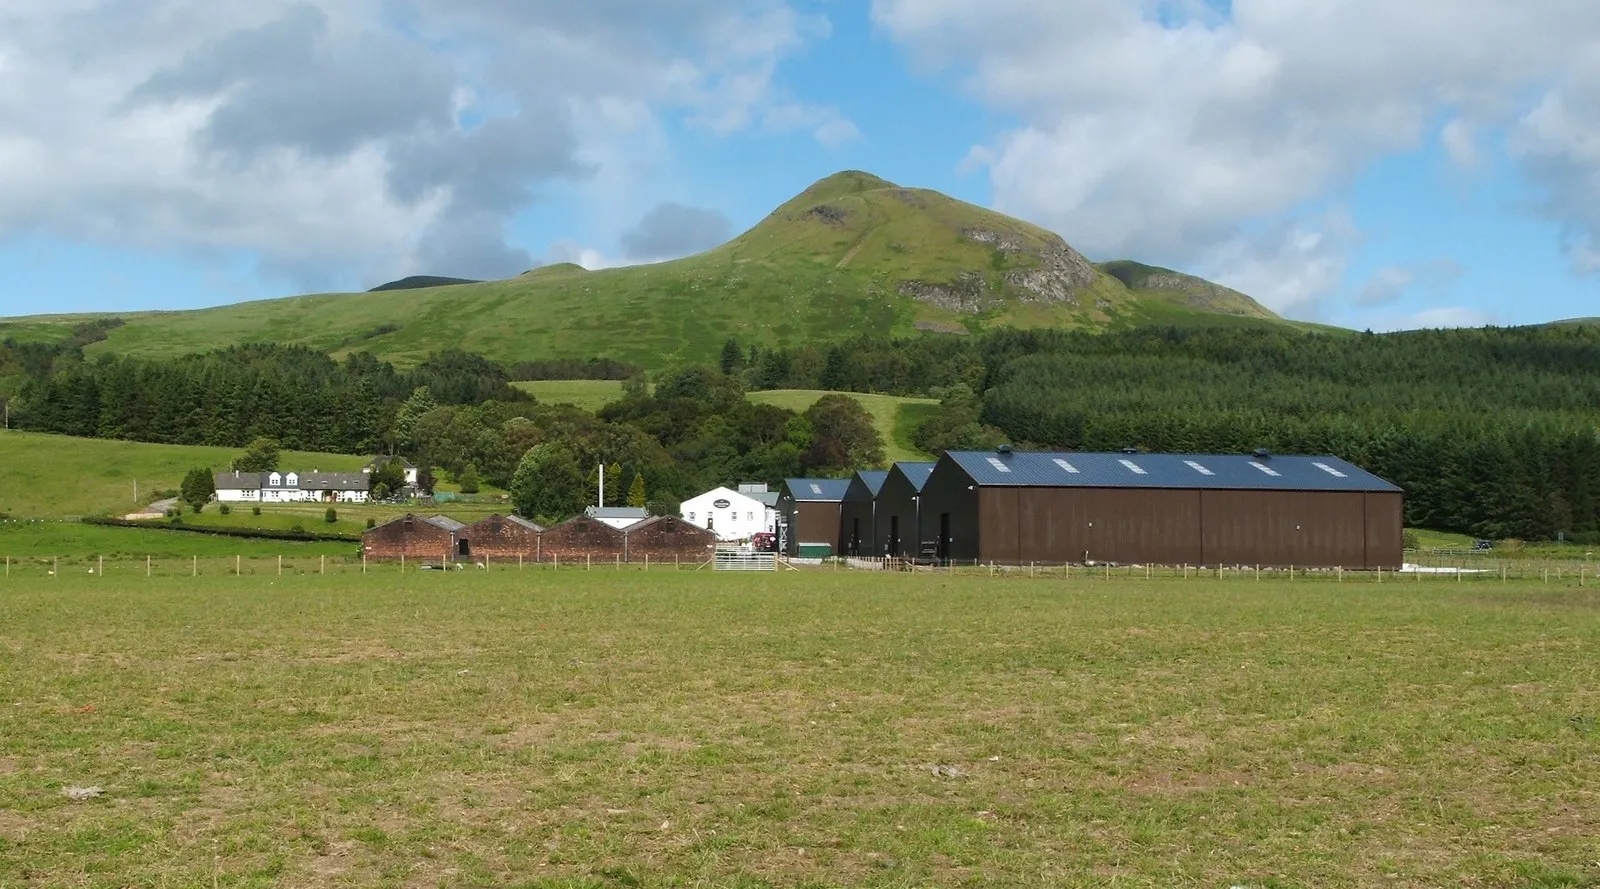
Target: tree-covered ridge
[[1491, 432], [299, 397]]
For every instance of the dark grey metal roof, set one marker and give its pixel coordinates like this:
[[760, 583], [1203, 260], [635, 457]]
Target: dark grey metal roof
[[441, 522], [236, 481], [335, 481], [915, 473], [446, 522], [817, 489], [873, 479], [766, 498], [1213, 471]]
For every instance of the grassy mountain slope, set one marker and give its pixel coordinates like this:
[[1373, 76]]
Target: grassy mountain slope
[[853, 254], [55, 475]]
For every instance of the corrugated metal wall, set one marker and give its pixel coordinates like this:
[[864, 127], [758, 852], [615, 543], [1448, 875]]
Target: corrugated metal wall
[[947, 494], [816, 522], [857, 530], [1385, 531], [897, 513]]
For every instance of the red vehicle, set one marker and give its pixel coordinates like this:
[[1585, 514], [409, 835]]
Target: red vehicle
[[764, 541]]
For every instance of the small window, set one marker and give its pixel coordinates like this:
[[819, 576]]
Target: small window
[[691, 516], [749, 516]]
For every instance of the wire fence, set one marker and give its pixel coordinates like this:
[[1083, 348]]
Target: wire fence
[[1418, 569]]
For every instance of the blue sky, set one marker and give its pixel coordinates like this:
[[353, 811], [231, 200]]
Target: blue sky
[[1341, 160]]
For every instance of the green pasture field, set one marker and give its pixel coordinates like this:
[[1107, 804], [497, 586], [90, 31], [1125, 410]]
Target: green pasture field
[[57, 475], [352, 517], [591, 395], [822, 728], [82, 545]]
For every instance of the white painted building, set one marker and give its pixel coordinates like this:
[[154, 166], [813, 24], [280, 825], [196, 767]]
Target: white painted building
[[730, 514], [293, 487]]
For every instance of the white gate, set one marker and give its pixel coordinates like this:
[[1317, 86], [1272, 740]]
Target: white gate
[[744, 560]]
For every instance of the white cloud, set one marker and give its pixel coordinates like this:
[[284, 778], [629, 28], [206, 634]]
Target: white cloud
[[364, 139], [1454, 316], [1174, 135], [1290, 267]]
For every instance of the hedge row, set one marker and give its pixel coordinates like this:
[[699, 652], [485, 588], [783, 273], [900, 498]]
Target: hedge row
[[254, 533]]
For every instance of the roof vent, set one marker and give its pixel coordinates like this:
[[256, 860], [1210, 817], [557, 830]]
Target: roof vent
[[1263, 454], [1004, 449], [1130, 450]]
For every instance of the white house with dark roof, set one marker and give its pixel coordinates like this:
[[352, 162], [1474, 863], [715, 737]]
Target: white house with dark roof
[[293, 487]]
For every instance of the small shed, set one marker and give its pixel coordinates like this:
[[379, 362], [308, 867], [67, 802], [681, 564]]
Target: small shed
[[858, 514], [667, 539], [582, 537], [808, 510], [411, 537], [500, 537], [897, 527]]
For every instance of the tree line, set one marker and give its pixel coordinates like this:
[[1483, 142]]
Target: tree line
[[1491, 432]]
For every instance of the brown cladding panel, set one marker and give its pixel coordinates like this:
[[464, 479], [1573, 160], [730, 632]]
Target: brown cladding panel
[[1148, 525], [997, 517], [1053, 526], [816, 521], [1385, 531], [1320, 529]]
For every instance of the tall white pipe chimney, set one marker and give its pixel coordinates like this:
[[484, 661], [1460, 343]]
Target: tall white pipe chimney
[[602, 502]]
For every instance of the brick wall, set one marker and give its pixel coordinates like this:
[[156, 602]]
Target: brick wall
[[410, 537], [497, 537], [665, 539], [577, 538]]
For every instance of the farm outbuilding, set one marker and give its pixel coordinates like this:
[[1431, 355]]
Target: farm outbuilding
[[667, 539], [500, 537], [808, 510], [896, 518], [582, 538], [1015, 508], [858, 513], [411, 537]]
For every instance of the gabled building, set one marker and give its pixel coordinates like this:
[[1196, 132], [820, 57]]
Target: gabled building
[[858, 513], [580, 538], [667, 539], [1013, 508], [500, 537], [292, 487], [897, 513], [413, 537], [808, 512], [730, 514]]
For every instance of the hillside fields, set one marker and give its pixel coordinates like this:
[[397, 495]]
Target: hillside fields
[[54, 475], [851, 255], [895, 417]]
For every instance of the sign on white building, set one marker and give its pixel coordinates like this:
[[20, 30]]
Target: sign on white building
[[729, 514]]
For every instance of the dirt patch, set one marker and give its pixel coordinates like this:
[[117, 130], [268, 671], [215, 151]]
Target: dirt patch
[[828, 214]]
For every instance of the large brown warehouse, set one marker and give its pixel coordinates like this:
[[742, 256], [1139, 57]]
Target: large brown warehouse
[[1014, 508]]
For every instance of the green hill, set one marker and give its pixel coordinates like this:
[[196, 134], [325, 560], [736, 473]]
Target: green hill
[[54, 475], [851, 255]]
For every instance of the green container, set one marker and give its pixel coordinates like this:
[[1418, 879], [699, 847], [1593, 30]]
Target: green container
[[815, 550]]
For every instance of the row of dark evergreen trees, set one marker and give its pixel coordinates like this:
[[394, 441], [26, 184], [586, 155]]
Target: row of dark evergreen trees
[[1491, 432]]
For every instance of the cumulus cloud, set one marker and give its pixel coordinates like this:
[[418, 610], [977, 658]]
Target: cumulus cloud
[[671, 230], [1389, 284], [341, 141], [1171, 130]]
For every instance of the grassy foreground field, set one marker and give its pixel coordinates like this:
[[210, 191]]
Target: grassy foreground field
[[577, 729]]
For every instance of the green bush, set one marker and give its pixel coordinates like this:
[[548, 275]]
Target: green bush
[[255, 510], [225, 509], [1410, 540], [297, 528], [372, 523], [331, 516]]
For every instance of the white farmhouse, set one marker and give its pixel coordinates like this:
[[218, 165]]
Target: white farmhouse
[[293, 487], [730, 514]]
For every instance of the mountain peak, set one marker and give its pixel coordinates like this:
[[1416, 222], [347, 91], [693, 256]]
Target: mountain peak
[[845, 182]]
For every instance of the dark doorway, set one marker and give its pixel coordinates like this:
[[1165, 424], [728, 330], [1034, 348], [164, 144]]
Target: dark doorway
[[464, 547], [944, 536], [894, 535], [855, 537]]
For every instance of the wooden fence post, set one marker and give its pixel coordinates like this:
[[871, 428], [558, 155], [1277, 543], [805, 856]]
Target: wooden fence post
[[324, 568], [146, 566], [280, 566], [588, 561], [55, 567], [100, 568], [238, 565], [194, 567]]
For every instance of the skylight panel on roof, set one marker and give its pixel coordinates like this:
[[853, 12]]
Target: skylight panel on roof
[[1133, 467], [999, 466], [1198, 468], [1267, 469], [1068, 467], [816, 489], [1330, 470]]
